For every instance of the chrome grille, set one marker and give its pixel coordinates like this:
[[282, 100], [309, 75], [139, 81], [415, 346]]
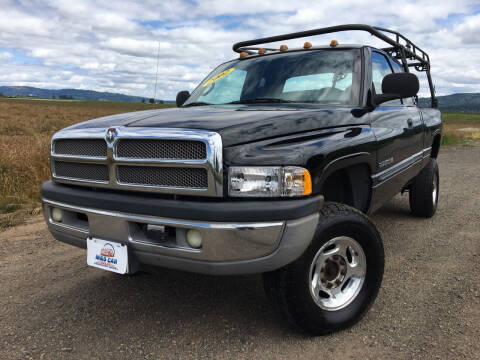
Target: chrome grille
[[81, 147], [81, 171], [175, 161], [161, 149], [163, 176]]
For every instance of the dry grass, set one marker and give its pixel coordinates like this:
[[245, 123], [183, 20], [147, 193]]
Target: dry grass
[[25, 130], [460, 128]]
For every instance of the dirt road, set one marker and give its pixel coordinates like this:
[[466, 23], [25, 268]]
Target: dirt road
[[53, 306]]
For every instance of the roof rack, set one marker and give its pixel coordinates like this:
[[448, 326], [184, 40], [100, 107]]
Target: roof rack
[[401, 48]]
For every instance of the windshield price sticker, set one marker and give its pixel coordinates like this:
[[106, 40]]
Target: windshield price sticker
[[218, 77]]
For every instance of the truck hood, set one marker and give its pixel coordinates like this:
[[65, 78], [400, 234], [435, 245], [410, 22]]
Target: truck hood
[[235, 123]]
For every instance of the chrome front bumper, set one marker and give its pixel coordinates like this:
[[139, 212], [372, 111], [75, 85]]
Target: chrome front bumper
[[227, 247]]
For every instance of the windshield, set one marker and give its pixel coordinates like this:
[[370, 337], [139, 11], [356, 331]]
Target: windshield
[[319, 76]]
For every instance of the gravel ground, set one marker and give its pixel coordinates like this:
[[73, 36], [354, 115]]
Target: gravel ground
[[53, 306]]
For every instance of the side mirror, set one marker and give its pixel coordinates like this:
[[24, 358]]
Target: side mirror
[[397, 86], [182, 96]]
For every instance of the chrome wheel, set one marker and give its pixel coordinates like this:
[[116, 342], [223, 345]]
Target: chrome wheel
[[435, 189], [337, 273]]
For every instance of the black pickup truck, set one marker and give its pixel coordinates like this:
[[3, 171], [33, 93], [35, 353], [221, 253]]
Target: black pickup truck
[[268, 166]]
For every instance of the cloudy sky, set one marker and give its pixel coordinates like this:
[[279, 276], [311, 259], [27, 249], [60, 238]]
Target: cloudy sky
[[112, 45]]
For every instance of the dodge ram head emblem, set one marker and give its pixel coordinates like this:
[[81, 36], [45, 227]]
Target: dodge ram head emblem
[[111, 134]]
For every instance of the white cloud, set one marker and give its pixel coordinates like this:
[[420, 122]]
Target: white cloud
[[112, 46], [15, 21], [133, 47], [5, 55], [469, 31]]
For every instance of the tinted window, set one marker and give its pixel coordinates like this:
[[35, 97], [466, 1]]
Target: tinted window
[[396, 67], [399, 69], [308, 82], [318, 81], [380, 68]]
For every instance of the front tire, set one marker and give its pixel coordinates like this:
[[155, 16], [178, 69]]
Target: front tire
[[424, 191], [334, 283]]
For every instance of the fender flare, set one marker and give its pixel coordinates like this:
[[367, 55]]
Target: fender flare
[[344, 162]]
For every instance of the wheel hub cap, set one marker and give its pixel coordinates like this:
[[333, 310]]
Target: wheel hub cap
[[334, 271], [337, 273]]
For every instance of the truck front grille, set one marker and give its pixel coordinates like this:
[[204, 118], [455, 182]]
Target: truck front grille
[[161, 149], [195, 178], [80, 171], [176, 161], [81, 147]]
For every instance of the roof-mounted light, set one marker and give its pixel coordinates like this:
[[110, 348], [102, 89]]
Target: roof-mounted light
[[307, 45], [243, 54], [333, 43], [261, 51], [283, 47]]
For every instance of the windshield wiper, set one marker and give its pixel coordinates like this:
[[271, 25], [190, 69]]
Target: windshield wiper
[[261, 101], [198, 103]]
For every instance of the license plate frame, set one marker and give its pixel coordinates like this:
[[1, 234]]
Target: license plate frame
[[107, 255]]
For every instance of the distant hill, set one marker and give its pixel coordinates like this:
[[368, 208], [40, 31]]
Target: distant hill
[[465, 102], [28, 91]]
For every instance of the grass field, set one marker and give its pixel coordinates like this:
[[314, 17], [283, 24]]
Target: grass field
[[27, 125], [460, 128]]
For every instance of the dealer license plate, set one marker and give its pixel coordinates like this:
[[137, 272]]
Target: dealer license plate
[[107, 255]]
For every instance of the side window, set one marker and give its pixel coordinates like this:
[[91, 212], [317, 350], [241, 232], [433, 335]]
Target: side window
[[380, 68], [398, 68]]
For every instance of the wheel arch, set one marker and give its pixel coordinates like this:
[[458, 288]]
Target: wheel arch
[[347, 180]]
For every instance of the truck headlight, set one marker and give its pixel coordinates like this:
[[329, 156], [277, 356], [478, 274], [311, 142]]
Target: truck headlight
[[269, 181]]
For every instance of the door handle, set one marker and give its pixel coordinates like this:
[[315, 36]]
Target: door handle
[[410, 122]]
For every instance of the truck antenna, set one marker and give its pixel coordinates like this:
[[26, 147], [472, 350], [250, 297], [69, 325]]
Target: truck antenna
[[156, 74]]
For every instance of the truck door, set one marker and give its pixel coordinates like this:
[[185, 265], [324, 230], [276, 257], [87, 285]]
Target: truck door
[[398, 129], [414, 120]]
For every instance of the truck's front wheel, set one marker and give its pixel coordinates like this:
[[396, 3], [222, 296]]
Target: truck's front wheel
[[333, 284]]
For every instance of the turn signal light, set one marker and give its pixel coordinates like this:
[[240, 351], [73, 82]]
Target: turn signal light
[[307, 183]]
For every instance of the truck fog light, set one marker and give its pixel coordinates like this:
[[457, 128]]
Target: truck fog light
[[57, 214], [194, 239]]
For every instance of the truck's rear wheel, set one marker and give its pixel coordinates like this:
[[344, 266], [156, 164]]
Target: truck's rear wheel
[[333, 284], [424, 191]]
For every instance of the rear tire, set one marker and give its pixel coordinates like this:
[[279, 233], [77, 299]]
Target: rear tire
[[336, 280], [424, 191]]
